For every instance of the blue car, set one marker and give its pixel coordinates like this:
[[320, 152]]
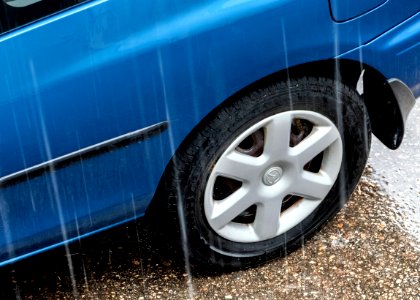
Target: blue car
[[246, 124]]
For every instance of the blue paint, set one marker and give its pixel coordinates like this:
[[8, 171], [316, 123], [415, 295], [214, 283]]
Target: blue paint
[[393, 51]]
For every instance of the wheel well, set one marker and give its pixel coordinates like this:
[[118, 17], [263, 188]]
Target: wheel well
[[384, 113]]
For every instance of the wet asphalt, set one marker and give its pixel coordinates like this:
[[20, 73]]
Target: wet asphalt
[[370, 250]]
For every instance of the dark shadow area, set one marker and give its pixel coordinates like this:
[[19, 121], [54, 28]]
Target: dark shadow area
[[133, 248], [12, 16]]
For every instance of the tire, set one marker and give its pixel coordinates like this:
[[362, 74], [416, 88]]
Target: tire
[[264, 172]]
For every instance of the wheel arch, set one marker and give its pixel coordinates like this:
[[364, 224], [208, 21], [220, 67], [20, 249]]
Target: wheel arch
[[386, 111]]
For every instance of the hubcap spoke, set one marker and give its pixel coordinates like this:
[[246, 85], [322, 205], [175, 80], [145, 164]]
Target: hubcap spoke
[[238, 166], [267, 219], [226, 210], [319, 140], [277, 136], [312, 186]]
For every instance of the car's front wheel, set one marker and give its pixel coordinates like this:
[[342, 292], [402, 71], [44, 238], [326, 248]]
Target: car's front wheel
[[266, 171]]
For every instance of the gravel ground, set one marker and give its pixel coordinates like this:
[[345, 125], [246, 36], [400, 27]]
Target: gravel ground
[[370, 250]]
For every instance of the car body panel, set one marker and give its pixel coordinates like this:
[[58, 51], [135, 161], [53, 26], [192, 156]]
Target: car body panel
[[343, 10], [107, 68], [398, 47]]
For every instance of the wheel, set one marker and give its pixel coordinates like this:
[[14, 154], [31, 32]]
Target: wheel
[[263, 173]]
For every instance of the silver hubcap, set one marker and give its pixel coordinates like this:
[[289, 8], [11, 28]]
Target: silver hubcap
[[260, 185]]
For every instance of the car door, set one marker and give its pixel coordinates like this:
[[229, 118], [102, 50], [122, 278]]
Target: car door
[[71, 100]]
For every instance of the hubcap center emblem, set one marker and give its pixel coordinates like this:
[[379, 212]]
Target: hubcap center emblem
[[272, 176]]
